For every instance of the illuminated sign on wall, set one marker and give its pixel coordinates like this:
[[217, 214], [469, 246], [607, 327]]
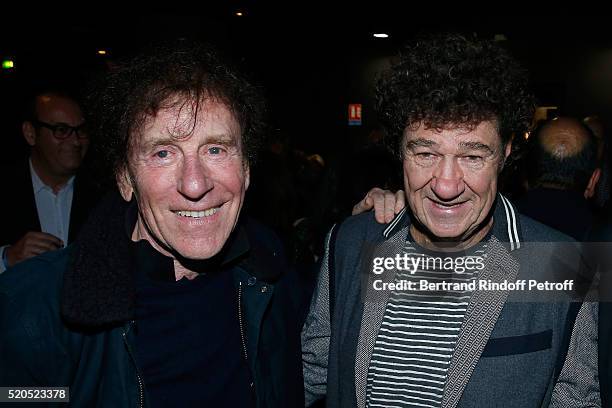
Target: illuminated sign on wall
[[354, 114]]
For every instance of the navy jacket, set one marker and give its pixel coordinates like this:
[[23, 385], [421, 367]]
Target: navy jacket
[[66, 318]]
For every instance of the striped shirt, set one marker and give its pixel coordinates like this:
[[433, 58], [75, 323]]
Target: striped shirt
[[418, 333]]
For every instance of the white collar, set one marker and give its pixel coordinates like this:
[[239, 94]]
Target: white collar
[[39, 185]]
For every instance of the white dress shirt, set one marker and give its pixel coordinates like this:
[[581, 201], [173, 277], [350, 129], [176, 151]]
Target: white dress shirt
[[53, 209]]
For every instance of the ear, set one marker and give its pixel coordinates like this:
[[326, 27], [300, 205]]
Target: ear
[[247, 177], [508, 149], [29, 132], [124, 183], [590, 190]]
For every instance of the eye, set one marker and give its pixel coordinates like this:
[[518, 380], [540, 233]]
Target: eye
[[62, 129], [473, 158], [162, 154], [215, 150], [474, 161], [425, 156]]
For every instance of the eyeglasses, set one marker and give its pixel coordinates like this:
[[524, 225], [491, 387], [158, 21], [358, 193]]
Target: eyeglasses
[[63, 131]]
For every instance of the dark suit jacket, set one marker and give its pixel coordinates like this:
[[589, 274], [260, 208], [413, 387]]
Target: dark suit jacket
[[553, 207], [601, 235], [20, 214]]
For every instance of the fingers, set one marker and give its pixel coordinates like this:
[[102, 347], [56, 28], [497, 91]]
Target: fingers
[[38, 247], [386, 204], [31, 252], [400, 201], [32, 244], [42, 238], [360, 207], [390, 200], [364, 205], [377, 197]]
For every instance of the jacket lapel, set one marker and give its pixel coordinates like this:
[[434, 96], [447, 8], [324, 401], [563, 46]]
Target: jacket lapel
[[482, 312], [480, 318], [374, 307]]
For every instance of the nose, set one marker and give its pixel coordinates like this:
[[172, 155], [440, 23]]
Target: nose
[[194, 179], [447, 182]]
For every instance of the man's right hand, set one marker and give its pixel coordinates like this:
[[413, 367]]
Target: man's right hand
[[31, 245], [386, 204]]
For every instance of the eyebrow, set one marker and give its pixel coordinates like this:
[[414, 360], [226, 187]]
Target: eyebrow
[[67, 124], [476, 146], [469, 145], [151, 144], [420, 142], [223, 139]]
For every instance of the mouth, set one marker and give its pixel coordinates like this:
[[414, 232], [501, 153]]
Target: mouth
[[446, 206], [197, 214]]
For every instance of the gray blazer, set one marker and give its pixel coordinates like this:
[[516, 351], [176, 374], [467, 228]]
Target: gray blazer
[[509, 353]]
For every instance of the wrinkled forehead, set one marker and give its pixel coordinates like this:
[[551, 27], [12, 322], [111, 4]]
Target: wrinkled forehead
[[485, 132], [181, 120]]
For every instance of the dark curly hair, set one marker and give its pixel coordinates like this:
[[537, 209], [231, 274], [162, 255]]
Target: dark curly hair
[[180, 73], [451, 80]]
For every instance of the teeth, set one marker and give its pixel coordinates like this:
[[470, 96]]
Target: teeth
[[198, 214]]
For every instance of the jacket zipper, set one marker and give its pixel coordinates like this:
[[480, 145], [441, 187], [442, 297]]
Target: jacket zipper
[[140, 382], [240, 321], [243, 340]]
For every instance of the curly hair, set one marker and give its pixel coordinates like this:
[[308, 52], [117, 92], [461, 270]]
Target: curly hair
[[450, 81], [178, 74]]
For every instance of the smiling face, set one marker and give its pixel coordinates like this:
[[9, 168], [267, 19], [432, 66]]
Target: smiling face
[[53, 157], [450, 179], [189, 180]]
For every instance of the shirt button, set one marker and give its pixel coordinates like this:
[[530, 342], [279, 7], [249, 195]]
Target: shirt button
[[264, 289], [252, 280]]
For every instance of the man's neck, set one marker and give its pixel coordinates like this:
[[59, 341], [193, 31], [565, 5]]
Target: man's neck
[[180, 270], [54, 182], [442, 245]]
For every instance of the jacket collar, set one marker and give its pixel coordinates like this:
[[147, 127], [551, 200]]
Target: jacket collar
[[39, 185], [506, 225], [99, 283]]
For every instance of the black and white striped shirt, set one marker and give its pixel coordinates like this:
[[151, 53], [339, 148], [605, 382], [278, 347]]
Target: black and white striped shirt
[[417, 337]]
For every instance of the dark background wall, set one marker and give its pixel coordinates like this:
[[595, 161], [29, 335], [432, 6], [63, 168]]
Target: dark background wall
[[312, 61]]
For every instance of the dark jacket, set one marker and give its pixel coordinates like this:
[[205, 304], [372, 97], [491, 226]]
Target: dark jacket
[[601, 241], [551, 207], [20, 214], [66, 318], [511, 352]]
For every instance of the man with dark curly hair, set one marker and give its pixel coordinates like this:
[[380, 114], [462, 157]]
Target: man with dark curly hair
[[168, 298], [404, 314]]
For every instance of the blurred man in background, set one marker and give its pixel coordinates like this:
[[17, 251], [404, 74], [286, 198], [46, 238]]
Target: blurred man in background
[[563, 174], [46, 199]]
